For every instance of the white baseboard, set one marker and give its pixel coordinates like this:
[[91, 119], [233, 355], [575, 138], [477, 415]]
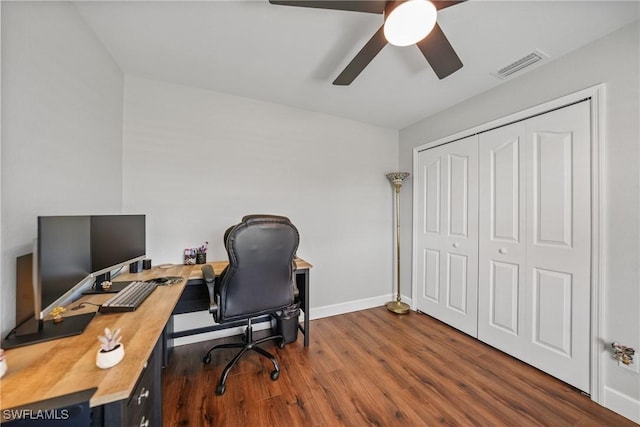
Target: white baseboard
[[622, 404], [351, 306], [195, 320]]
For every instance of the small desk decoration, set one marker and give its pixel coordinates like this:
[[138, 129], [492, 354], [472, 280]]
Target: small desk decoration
[[189, 256], [196, 255], [111, 349], [56, 314]]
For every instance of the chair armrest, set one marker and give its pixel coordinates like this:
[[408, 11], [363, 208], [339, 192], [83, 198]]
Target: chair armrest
[[210, 280], [296, 291]]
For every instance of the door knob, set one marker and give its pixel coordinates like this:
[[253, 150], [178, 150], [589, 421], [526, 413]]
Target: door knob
[[455, 245], [502, 251]]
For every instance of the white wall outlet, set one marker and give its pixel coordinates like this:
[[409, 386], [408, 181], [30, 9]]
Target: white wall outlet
[[633, 367]]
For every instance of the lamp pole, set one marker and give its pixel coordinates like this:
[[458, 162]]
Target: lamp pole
[[396, 179]]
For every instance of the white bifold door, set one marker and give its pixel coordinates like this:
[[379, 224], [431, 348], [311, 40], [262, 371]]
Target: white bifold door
[[522, 259], [535, 242], [447, 233]]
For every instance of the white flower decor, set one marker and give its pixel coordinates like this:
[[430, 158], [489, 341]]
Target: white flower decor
[[111, 349]]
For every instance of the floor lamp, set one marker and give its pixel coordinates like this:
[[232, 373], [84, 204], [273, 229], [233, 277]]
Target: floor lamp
[[396, 179]]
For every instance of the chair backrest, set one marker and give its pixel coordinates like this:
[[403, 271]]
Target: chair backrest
[[260, 276]]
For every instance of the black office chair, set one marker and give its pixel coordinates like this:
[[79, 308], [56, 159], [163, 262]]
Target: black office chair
[[259, 280]]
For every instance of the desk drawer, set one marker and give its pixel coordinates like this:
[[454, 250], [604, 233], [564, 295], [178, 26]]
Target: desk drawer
[[140, 403]]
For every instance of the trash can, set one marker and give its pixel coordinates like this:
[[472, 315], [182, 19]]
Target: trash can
[[287, 323]]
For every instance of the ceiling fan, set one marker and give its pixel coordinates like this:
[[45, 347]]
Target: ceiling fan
[[406, 22]]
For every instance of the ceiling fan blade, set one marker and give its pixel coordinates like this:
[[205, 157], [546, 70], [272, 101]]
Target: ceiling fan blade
[[441, 4], [355, 6], [439, 53], [362, 59]]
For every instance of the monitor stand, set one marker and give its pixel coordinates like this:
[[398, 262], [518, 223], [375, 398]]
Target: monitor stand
[[115, 288], [71, 325]]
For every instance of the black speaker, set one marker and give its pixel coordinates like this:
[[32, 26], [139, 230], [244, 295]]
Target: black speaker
[[135, 267]]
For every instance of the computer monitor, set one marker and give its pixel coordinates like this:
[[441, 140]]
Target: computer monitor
[[69, 252], [116, 240], [63, 260]]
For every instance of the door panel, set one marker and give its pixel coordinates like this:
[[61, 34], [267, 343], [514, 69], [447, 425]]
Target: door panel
[[431, 206], [552, 189], [431, 273], [504, 291], [446, 233], [552, 311], [502, 248], [505, 191], [559, 243], [457, 283], [458, 194]]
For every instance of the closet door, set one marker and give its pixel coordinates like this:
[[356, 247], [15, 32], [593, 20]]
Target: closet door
[[502, 238], [535, 242], [558, 280], [447, 233]]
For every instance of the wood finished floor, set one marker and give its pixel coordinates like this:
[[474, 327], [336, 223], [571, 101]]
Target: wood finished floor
[[374, 368]]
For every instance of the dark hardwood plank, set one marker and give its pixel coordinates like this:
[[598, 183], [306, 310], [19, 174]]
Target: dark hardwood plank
[[374, 368]]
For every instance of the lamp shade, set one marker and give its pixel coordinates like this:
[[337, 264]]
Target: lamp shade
[[396, 178], [408, 22]]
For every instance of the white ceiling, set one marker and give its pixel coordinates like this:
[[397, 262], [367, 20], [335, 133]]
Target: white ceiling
[[290, 55]]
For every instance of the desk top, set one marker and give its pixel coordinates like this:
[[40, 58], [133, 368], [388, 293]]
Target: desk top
[[67, 365]]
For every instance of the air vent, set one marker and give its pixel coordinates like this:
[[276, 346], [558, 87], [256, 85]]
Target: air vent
[[521, 64]]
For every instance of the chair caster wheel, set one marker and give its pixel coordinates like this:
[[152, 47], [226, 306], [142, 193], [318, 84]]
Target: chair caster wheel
[[275, 375], [220, 389], [206, 360]]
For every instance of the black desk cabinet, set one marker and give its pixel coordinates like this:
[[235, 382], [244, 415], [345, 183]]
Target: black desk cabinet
[[144, 407]]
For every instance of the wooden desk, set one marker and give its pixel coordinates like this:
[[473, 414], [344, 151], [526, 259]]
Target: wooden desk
[[54, 368], [197, 299]]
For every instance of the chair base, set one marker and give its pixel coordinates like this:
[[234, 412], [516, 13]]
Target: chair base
[[247, 344]]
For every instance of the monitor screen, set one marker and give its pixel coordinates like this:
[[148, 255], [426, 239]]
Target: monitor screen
[[63, 256], [116, 240]]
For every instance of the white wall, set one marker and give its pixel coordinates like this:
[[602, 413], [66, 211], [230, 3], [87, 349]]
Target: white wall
[[62, 97], [613, 60], [196, 161]]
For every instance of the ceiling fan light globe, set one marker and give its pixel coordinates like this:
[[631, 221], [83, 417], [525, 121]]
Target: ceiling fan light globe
[[409, 22]]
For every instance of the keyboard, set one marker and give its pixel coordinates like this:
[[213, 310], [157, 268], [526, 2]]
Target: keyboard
[[129, 298]]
